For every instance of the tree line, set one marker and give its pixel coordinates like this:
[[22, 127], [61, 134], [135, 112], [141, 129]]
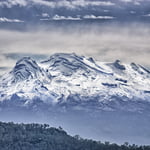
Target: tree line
[[43, 137]]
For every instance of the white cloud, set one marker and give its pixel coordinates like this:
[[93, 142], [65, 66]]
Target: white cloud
[[106, 10], [133, 12], [126, 1], [18, 2], [74, 3], [135, 2], [43, 2], [57, 4], [57, 17], [45, 15], [131, 1], [45, 19], [5, 63], [147, 15], [97, 17], [83, 3], [3, 19], [10, 3]]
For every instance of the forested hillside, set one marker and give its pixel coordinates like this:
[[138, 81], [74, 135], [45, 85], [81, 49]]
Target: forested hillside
[[42, 137]]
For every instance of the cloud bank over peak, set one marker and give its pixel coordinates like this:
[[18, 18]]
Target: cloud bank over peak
[[104, 43]]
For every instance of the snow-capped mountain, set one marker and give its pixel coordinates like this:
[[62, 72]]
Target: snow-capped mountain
[[98, 100], [76, 80]]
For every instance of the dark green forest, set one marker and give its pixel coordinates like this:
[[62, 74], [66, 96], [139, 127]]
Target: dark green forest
[[43, 137]]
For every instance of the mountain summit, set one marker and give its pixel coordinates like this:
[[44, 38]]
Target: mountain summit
[[26, 68]]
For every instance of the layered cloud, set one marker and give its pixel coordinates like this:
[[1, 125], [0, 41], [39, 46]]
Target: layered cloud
[[4, 19], [120, 10], [11, 3], [56, 4], [65, 3], [57, 17], [135, 2], [147, 15], [46, 17], [97, 17], [78, 17]]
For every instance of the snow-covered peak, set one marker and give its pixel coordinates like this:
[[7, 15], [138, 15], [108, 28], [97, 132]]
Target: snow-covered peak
[[68, 64], [140, 69], [62, 59], [118, 65], [26, 68]]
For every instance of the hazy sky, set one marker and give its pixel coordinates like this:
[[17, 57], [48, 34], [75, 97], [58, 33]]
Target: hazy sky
[[129, 43]]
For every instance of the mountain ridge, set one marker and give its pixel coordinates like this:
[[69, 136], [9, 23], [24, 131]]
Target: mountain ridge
[[64, 76]]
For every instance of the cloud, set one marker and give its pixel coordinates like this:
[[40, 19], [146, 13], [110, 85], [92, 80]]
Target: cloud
[[83, 3], [4, 19], [43, 2], [57, 17], [5, 64], [135, 2], [129, 43], [11, 3], [73, 4], [45, 15], [133, 12], [147, 15], [129, 1], [97, 17], [57, 4]]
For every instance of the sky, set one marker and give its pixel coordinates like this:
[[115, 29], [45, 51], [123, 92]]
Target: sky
[[88, 35]]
